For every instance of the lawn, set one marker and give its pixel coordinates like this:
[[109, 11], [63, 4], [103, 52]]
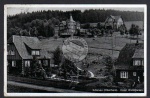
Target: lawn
[[97, 47]]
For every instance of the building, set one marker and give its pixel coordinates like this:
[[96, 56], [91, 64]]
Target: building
[[130, 63], [68, 27], [21, 50], [114, 22]]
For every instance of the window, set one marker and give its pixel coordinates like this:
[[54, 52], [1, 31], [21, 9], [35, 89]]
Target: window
[[13, 63], [137, 62], [11, 52], [134, 73], [35, 52], [27, 63], [123, 74]]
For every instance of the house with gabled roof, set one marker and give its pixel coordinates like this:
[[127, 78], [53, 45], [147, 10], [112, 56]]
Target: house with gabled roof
[[68, 27], [20, 52], [114, 22], [130, 63]]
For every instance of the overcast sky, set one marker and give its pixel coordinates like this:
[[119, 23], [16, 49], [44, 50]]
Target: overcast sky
[[16, 10]]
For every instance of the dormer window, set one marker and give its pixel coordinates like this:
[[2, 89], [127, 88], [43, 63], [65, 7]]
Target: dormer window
[[138, 62], [35, 52], [11, 52]]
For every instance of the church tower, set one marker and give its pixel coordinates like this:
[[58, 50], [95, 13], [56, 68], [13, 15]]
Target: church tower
[[71, 25]]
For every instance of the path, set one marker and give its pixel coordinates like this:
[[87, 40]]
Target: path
[[91, 73]]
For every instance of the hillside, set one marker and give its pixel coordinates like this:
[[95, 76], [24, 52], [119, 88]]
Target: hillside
[[42, 23]]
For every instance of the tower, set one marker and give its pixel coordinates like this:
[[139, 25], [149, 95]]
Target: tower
[[71, 25]]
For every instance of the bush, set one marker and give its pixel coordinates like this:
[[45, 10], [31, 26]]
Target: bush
[[55, 37], [128, 82]]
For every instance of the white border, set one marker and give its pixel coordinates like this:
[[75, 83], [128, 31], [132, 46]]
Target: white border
[[72, 6]]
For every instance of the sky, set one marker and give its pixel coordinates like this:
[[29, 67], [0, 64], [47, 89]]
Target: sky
[[13, 10]]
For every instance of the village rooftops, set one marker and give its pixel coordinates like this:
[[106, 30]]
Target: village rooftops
[[127, 54], [22, 42]]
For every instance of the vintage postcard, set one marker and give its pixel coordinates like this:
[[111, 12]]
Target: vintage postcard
[[75, 50]]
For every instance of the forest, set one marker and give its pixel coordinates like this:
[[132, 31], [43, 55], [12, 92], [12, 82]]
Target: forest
[[42, 23]]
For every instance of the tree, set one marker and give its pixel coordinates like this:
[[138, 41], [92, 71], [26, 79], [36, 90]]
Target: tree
[[37, 19], [35, 31], [122, 30], [100, 26], [24, 33], [134, 30], [34, 63], [137, 30], [108, 62], [57, 56], [86, 26]]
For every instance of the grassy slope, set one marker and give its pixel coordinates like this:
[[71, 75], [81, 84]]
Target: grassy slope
[[99, 46]]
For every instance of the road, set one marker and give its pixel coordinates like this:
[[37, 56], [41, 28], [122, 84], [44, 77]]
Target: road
[[91, 73]]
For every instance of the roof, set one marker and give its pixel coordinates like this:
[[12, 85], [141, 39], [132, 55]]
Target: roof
[[68, 20], [71, 19], [63, 22], [21, 42], [127, 52], [130, 67], [139, 53], [116, 18], [45, 54]]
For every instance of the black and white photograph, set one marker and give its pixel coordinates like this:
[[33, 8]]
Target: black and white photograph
[[75, 50]]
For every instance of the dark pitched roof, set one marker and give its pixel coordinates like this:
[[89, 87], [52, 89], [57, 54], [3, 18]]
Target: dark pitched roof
[[129, 67], [45, 54], [127, 52], [21, 42], [139, 53]]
